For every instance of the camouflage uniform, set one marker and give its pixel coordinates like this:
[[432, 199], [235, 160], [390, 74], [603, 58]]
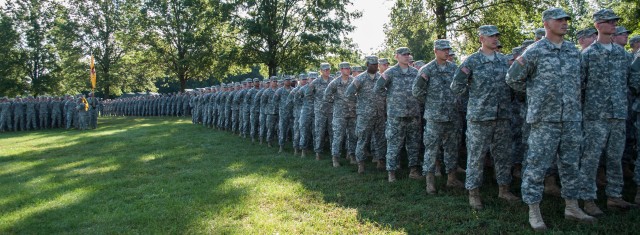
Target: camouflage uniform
[[371, 115], [44, 113], [488, 115], [403, 114], [323, 114], [5, 115], [254, 109], [440, 130], [605, 75], [270, 108], [32, 124], [284, 112], [296, 104], [344, 114], [306, 115], [550, 78]]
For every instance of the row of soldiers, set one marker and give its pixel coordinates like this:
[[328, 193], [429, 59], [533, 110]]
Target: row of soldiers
[[38, 113], [549, 108], [170, 104], [572, 108]]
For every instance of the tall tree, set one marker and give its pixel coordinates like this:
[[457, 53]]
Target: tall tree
[[191, 37], [289, 35], [409, 26], [12, 62], [34, 20]]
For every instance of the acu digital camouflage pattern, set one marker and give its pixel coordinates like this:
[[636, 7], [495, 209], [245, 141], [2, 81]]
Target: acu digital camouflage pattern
[[432, 86], [488, 115], [550, 76], [605, 74], [403, 115], [323, 113], [344, 116], [371, 115]]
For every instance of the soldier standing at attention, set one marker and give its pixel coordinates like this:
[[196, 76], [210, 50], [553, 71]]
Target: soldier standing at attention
[[270, 107], [488, 115], [605, 71], [296, 104], [555, 115], [344, 115], [284, 112], [403, 114], [440, 129], [322, 112], [586, 37], [254, 109], [306, 112], [383, 65], [370, 114]]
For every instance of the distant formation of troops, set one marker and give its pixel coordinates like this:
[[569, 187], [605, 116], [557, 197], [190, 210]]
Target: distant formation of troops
[[29, 113], [548, 112]]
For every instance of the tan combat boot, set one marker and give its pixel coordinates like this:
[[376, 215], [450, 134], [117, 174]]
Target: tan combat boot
[[295, 152], [392, 176], [415, 173], [503, 192], [303, 153], [474, 199], [281, 149], [431, 183], [336, 162], [361, 167], [535, 218], [592, 209], [551, 187], [438, 168], [317, 156], [616, 203], [573, 212], [381, 165], [452, 180], [352, 159]]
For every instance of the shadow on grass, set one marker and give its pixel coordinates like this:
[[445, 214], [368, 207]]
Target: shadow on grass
[[165, 175]]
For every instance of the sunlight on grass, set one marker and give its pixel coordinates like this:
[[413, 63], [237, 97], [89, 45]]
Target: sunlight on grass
[[74, 164], [16, 167], [63, 200], [277, 205]]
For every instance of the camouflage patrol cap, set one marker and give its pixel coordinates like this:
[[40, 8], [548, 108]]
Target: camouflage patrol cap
[[604, 15], [383, 61], [621, 30], [302, 75], [325, 66], [273, 78], [539, 32], [356, 68], [256, 80], [248, 80], [516, 50], [403, 50], [344, 65], [418, 63], [586, 32], [371, 59], [527, 43], [554, 13], [313, 75], [441, 44], [287, 78], [634, 39], [488, 30]]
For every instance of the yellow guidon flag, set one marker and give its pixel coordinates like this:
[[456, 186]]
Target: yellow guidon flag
[[86, 104], [93, 75]]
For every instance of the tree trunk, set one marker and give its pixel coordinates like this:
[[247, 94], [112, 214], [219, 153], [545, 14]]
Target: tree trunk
[[441, 19]]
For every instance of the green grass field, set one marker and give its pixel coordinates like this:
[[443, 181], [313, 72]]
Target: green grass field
[[167, 176]]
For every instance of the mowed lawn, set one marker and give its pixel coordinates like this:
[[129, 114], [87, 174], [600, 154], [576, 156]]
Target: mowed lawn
[[167, 176]]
